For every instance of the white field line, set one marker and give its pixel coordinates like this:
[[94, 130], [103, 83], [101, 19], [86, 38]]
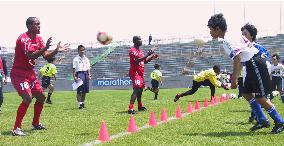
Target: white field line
[[95, 142]]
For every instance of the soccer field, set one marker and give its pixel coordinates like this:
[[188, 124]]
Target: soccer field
[[223, 124]]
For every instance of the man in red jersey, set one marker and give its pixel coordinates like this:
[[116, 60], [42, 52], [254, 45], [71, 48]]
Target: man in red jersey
[[136, 72], [30, 46]]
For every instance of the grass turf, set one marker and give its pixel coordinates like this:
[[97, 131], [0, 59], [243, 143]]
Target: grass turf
[[224, 124]]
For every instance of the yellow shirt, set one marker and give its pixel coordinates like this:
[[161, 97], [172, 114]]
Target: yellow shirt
[[156, 75], [48, 70], [207, 74]]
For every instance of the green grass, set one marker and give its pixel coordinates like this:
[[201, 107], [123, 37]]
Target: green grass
[[224, 124]]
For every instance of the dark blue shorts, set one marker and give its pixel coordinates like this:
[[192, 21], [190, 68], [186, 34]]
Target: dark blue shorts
[[84, 76], [276, 83], [45, 81], [155, 84]]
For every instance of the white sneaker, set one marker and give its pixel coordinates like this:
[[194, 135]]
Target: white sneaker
[[18, 132]]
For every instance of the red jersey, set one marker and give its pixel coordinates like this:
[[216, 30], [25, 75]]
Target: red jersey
[[25, 44], [136, 69]]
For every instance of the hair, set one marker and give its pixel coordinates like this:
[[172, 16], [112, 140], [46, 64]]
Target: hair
[[136, 38], [216, 68], [30, 20], [50, 60], [276, 55], [156, 66], [217, 20], [80, 46], [251, 29]]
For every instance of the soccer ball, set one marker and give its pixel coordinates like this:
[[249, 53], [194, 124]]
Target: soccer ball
[[233, 96], [275, 93], [104, 38]]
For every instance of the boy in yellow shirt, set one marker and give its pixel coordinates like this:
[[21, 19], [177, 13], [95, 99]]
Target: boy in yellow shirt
[[156, 76], [204, 78], [48, 71]]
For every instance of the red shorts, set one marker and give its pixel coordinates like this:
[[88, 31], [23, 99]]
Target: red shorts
[[137, 81], [25, 82]]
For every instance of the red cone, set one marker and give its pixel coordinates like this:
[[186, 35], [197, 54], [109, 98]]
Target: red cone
[[152, 121], [104, 133], [205, 104], [189, 107], [132, 126], [164, 117], [178, 112], [197, 105]]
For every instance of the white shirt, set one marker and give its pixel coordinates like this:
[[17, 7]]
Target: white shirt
[[277, 70], [81, 63], [243, 47]]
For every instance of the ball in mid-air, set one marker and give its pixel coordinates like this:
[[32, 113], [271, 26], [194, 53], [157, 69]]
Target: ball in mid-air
[[104, 38]]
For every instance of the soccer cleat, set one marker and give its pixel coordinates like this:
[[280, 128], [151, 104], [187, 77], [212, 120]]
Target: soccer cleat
[[18, 132], [259, 125], [279, 127], [251, 119], [177, 97], [38, 127], [131, 111], [48, 102], [142, 108], [82, 106]]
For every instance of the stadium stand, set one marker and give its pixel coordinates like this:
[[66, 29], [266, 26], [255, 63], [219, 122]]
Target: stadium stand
[[173, 56]]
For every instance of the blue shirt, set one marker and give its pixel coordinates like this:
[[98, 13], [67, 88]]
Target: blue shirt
[[262, 50]]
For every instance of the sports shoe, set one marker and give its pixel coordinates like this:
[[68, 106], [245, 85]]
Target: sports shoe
[[82, 106], [259, 125], [131, 111], [38, 127], [177, 97], [48, 102], [251, 119], [279, 127], [18, 132], [142, 108]]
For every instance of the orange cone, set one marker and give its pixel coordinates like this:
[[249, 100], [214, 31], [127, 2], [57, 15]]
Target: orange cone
[[103, 132], [205, 104], [164, 116], [197, 105], [189, 107], [152, 121], [178, 112], [132, 126]]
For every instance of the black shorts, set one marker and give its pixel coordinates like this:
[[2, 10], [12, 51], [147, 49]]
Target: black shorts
[[257, 79], [276, 83], [155, 84], [45, 81]]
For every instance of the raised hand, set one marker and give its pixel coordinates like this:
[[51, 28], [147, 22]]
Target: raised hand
[[48, 42], [63, 48]]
